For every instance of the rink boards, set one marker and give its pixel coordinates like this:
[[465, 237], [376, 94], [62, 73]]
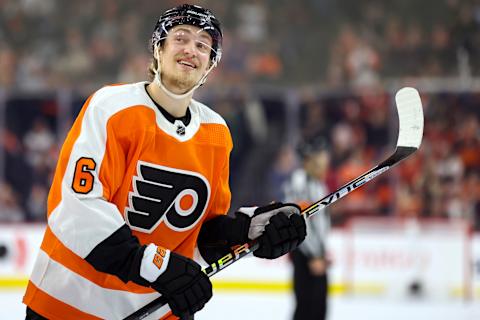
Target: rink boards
[[384, 262]]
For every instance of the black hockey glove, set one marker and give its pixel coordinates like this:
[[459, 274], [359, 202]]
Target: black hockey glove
[[176, 277], [278, 227], [181, 280]]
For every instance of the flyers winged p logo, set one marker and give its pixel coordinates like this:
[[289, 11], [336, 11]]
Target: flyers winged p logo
[[175, 197]]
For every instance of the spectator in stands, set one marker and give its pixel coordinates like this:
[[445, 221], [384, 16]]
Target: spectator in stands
[[38, 141], [10, 210], [8, 64], [280, 171], [37, 203], [468, 143], [75, 63]]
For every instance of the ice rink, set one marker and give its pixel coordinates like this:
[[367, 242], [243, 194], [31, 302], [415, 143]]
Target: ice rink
[[236, 306], [260, 289]]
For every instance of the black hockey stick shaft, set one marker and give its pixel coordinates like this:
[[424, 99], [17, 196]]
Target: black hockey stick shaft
[[243, 250]]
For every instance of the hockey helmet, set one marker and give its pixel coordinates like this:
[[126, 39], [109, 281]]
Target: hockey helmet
[[310, 147], [190, 15]]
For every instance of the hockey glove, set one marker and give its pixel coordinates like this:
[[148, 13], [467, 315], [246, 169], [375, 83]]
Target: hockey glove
[[278, 227], [178, 278]]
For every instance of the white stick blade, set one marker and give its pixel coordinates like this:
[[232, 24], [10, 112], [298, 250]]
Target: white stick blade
[[410, 117]]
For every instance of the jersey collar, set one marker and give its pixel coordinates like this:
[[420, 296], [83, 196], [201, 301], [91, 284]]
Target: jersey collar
[[183, 128]]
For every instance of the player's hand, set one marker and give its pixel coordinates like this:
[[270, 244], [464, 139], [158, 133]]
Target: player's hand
[[181, 281], [278, 227]]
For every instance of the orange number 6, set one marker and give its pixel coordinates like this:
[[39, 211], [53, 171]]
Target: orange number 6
[[83, 177]]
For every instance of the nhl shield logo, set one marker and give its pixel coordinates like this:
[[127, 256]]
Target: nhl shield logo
[[180, 130], [179, 127]]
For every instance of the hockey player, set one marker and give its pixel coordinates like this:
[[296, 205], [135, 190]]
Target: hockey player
[[140, 193]]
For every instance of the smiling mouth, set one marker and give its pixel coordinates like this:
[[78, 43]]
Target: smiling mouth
[[187, 64]]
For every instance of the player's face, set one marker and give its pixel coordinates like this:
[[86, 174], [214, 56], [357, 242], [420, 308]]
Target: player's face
[[185, 57]]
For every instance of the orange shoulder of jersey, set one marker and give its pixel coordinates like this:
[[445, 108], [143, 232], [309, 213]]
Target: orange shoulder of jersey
[[123, 162]]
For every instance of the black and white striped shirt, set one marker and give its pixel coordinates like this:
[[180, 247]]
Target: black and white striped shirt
[[302, 188]]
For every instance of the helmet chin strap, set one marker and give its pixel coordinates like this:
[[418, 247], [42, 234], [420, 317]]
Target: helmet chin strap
[[158, 79]]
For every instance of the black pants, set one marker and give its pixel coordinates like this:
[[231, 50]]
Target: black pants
[[310, 290], [32, 315]]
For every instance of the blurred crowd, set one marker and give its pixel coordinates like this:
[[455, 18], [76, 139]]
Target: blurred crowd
[[54, 53], [441, 180], [47, 44]]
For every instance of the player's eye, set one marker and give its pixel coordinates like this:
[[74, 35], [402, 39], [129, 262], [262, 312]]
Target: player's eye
[[203, 47], [180, 38]]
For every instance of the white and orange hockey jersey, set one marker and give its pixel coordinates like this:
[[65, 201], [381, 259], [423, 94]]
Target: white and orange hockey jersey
[[123, 163]]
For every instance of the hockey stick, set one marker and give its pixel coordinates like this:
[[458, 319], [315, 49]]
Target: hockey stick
[[410, 133]]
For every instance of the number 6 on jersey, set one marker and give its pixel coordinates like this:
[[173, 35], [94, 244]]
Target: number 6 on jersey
[[83, 176]]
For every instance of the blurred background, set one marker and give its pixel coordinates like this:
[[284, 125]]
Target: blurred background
[[291, 71]]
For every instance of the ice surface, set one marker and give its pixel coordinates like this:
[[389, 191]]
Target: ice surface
[[240, 306]]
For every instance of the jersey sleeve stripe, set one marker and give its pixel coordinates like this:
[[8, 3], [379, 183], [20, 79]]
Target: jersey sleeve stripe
[[82, 224], [99, 302], [36, 299], [83, 268]]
